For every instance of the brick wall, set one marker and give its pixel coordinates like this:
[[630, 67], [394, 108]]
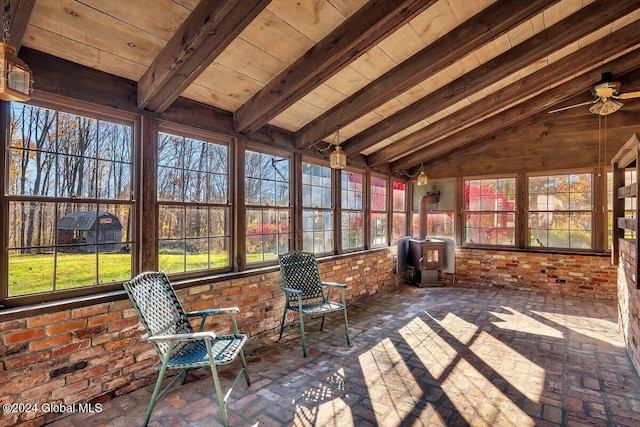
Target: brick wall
[[590, 276], [92, 353], [629, 301]]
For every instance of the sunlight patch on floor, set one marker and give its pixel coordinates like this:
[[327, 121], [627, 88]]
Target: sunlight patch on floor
[[434, 352], [596, 328], [520, 372], [470, 392], [393, 391], [324, 405], [516, 321]]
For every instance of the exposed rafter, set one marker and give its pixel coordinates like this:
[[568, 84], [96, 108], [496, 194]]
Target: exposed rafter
[[20, 14], [578, 62], [535, 105], [363, 30], [569, 30], [208, 30], [489, 24]]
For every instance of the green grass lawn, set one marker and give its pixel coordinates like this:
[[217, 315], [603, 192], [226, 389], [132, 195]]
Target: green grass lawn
[[29, 274]]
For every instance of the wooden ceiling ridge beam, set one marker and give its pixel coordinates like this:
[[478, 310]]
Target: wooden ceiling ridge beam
[[206, 32], [478, 30], [20, 14], [516, 114], [577, 25], [356, 35], [578, 62]]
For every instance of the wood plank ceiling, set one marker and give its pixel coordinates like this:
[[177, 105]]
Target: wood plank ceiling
[[404, 81]]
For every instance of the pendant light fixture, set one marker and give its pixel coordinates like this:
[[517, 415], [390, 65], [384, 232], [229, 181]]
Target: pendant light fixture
[[422, 179], [338, 158], [16, 78]]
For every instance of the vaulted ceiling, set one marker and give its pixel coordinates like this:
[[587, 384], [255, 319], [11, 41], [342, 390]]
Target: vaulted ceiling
[[405, 82]]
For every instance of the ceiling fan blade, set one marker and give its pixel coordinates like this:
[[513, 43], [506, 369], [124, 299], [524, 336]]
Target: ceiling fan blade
[[557, 110], [628, 95]]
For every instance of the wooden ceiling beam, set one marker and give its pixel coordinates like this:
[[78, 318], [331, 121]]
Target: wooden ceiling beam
[[360, 32], [559, 35], [535, 147], [484, 27], [538, 104], [62, 78], [20, 14], [208, 30], [578, 62]]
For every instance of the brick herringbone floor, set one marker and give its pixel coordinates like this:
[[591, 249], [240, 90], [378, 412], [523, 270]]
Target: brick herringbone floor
[[422, 357]]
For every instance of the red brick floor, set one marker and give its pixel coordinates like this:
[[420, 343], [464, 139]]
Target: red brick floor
[[422, 357]]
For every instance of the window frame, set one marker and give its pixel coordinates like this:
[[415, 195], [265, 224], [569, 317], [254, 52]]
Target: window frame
[[463, 210], [206, 137], [596, 232], [243, 207], [393, 212], [374, 212], [83, 109], [331, 209], [343, 210]]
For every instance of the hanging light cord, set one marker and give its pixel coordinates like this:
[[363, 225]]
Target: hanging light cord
[[6, 15], [330, 144], [415, 174], [602, 153]]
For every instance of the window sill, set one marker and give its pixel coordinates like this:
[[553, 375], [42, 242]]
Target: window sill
[[21, 312]]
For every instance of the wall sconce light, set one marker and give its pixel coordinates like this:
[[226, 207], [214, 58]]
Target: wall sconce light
[[16, 78]]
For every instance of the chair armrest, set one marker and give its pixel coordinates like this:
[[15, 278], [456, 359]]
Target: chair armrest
[[291, 290], [213, 311], [334, 285], [182, 337]]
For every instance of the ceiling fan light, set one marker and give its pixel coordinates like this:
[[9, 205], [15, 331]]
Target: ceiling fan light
[[605, 107]]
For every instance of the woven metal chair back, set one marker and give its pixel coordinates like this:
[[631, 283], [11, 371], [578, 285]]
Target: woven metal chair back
[[158, 306], [299, 270]]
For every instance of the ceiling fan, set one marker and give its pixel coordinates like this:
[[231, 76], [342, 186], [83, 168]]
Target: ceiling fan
[[606, 96]]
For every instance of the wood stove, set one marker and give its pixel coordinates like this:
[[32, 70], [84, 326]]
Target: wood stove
[[426, 256]]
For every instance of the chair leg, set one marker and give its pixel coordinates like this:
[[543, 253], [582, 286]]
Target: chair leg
[[156, 391], [284, 315], [244, 366], [344, 310], [322, 322], [222, 401], [220, 396], [346, 325], [304, 343]]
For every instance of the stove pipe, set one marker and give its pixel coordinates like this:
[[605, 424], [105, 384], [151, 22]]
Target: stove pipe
[[423, 210], [422, 216]]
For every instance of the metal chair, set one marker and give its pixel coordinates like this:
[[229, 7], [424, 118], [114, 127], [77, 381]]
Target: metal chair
[[175, 341], [305, 292]]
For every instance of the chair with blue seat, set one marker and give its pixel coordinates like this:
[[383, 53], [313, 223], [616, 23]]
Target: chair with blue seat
[[177, 344], [306, 293]]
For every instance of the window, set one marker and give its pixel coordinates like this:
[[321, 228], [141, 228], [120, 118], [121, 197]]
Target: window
[[379, 211], [399, 201], [268, 207], [560, 211], [352, 212], [490, 211], [317, 209], [192, 204], [70, 203]]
